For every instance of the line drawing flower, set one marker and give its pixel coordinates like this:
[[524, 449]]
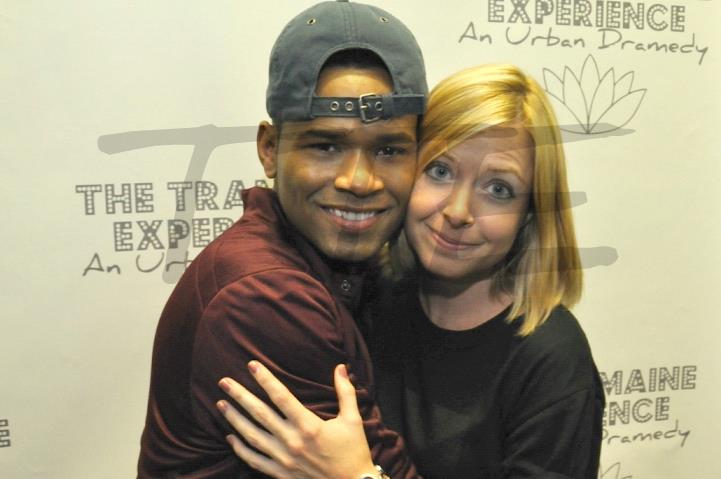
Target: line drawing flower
[[613, 472], [591, 103]]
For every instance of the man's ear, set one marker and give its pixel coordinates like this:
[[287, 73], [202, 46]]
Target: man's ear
[[267, 143]]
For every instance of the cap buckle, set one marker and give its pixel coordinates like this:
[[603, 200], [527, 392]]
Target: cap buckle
[[364, 102]]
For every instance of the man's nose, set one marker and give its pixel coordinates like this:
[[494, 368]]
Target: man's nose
[[357, 174]]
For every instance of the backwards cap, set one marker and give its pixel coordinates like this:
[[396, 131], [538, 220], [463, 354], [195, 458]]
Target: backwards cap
[[308, 40]]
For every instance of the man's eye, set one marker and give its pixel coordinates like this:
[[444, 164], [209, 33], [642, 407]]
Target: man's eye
[[390, 151], [438, 172], [325, 147], [500, 191]]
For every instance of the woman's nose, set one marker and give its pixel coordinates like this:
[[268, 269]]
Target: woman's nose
[[457, 211]]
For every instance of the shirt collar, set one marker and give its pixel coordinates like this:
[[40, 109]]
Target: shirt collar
[[343, 279]]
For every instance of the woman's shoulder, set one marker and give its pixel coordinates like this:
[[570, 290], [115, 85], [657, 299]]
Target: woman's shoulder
[[555, 360], [560, 329], [558, 343]]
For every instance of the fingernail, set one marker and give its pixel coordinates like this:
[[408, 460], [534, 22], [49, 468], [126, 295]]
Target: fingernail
[[224, 385], [343, 371], [253, 366], [222, 405], [229, 438]]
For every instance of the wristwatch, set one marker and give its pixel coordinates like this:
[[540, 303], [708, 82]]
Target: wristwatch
[[380, 474]]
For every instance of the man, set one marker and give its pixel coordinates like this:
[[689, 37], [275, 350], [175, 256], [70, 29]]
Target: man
[[347, 84]]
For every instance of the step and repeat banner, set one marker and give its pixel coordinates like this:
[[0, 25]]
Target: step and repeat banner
[[128, 134]]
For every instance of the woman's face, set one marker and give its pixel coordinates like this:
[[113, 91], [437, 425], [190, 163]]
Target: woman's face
[[468, 204]]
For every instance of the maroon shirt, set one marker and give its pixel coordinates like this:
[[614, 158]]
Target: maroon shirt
[[259, 291]]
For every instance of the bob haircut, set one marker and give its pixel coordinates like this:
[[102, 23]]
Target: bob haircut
[[542, 268]]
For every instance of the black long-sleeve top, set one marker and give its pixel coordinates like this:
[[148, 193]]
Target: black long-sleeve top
[[485, 402]]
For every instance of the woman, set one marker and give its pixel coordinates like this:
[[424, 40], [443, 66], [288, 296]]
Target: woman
[[480, 366]]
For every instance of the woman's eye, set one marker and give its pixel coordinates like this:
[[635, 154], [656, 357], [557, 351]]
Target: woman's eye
[[500, 191], [438, 171]]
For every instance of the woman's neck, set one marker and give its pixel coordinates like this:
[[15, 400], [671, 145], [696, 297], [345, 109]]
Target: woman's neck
[[458, 306]]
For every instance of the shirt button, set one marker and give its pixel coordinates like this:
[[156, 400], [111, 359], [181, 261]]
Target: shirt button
[[345, 285]]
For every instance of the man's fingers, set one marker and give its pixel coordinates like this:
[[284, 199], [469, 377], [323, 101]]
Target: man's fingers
[[288, 404], [347, 402], [260, 411], [257, 461]]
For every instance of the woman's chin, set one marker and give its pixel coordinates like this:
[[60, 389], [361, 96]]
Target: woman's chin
[[455, 273]]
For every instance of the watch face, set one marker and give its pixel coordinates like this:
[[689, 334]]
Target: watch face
[[380, 474]]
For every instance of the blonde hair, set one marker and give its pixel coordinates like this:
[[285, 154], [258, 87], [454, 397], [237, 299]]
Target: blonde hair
[[543, 268]]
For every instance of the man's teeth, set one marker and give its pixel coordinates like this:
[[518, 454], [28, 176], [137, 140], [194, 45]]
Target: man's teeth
[[352, 215]]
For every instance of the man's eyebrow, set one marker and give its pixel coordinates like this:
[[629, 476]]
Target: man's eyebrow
[[399, 137], [342, 133], [323, 134]]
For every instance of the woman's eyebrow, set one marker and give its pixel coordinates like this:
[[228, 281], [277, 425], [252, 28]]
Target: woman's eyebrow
[[450, 156], [510, 168], [493, 168], [502, 169]]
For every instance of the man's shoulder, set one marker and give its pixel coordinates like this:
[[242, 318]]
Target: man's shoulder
[[248, 248]]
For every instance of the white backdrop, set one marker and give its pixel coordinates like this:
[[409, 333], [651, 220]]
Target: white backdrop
[[113, 178]]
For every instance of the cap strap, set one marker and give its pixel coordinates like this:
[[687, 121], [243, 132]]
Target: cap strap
[[369, 107]]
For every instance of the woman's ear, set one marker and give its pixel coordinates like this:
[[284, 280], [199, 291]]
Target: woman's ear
[[267, 141]]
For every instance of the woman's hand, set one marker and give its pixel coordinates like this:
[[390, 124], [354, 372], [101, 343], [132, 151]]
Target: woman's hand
[[302, 445]]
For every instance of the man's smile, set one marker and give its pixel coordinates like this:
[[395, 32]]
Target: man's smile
[[353, 219]]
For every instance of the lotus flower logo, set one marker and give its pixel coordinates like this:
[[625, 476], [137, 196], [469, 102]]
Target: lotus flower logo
[[591, 103]]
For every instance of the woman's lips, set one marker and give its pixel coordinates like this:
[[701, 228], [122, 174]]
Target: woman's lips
[[451, 244]]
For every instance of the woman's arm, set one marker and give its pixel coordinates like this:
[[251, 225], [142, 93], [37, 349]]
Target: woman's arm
[[301, 445], [555, 404]]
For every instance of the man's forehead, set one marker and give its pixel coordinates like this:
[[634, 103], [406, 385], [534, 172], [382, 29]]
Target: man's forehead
[[341, 74], [400, 128]]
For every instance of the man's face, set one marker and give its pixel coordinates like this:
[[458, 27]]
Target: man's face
[[343, 183]]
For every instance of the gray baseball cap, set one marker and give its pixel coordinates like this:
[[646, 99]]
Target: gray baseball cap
[[309, 39]]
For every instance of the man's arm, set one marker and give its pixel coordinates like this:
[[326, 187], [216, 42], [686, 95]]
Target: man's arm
[[288, 321]]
